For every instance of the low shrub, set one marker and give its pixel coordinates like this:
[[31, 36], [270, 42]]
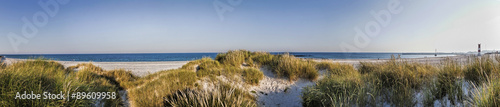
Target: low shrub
[[262, 58], [233, 58], [252, 76]]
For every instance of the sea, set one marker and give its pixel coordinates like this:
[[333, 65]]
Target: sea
[[149, 57]]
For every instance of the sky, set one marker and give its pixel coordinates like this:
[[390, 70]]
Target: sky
[[183, 26]]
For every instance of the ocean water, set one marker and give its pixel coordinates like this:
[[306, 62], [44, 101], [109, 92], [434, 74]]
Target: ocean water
[[193, 56]]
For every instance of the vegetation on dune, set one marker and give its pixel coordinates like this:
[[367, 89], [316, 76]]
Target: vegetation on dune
[[284, 65], [488, 94], [234, 57], [151, 91], [121, 77], [262, 58], [252, 76], [2, 65], [481, 69], [179, 85], [209, 67], [42, 76], [293, 68], [192, 65], [394, 73], [395, 82], [238, 63], [342, 86], [367, 67], [223, 95], [337, 68], [399, 82], [447, 84]]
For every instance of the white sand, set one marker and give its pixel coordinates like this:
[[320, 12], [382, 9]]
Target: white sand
[[271, 91]]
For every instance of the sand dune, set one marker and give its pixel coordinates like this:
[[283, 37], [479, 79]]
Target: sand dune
[[271, 91]]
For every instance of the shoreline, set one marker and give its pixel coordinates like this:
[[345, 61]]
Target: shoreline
[[137, 68]]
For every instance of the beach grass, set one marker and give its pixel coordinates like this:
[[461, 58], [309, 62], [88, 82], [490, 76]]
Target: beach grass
[[336, 89], [447, 83], [262, 58], [42, 76], [395, 82], [482, 69], [293, 68], [487, 94], [252, 75], [239, 63], [223, 95], [401, 83], [152, 91], [233, 57], [182, 81]]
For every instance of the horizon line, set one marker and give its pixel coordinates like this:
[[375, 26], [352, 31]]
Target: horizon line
[[220, 52]]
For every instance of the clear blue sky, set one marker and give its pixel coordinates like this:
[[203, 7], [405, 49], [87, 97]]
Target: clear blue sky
[[165, 26]]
